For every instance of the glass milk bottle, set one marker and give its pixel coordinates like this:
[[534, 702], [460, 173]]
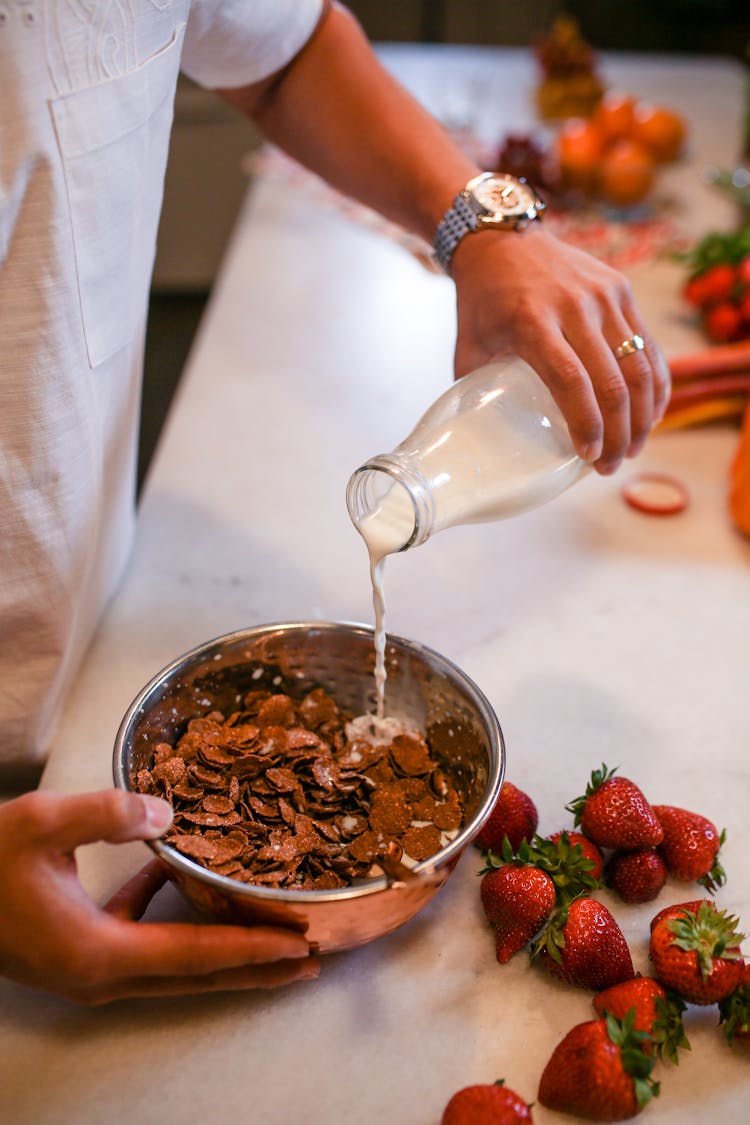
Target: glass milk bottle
[[493, 445]]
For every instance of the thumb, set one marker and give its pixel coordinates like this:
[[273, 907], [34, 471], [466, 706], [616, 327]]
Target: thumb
[[111, 815]]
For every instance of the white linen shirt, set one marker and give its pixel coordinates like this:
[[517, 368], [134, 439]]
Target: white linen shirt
[[86, 100]]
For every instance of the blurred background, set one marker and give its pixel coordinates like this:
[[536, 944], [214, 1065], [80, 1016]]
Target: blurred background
[[207, 174]]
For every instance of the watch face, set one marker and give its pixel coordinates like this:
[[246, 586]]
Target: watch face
[[505, 194]]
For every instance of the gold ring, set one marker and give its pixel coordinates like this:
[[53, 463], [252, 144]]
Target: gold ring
[[629, 347]]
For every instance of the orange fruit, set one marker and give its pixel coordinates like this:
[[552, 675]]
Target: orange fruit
[[626, 173], [579, 150], [661, 130], [614, 115]]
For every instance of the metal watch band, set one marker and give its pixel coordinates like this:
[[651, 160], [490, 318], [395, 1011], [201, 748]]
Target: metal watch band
[[458, 220]]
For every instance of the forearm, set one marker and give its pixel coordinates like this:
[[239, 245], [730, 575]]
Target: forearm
[[338, 111]]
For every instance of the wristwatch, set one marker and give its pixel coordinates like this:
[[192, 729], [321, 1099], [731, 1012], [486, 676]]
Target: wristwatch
[[492, 200]]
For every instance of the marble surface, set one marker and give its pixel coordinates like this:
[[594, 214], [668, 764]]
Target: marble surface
[[598, 634]]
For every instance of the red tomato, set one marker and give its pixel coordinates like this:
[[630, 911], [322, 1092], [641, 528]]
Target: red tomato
[[719, 282], [743, 271], [723, 323], [696, 292], [744, 307]]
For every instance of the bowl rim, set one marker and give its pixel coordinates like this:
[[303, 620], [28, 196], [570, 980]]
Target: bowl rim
[[233, 887]]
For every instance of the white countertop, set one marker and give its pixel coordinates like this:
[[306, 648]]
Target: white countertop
[[597, 633]]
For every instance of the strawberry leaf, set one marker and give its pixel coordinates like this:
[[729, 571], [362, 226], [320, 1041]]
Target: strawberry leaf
[[552, 938], [734, 1013], [709, 932], [493, 861], [635, 1059], [717, 876], [567, 866], [668, 1032], [598, 777], [645, 1089]]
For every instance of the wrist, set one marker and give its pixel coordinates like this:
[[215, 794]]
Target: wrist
[[471, 253], [493, 201]]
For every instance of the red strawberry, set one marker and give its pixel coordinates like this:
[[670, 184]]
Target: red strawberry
[[614, 813], [695, 951], [589, 850], [637, 876], [696, 292], [568, 863], [518, 898], [673, 910], [600, 1071], [583, 945], [513, 815], [722, 323], [734, 1011], [690, 847], [718, 282], [486, 1105], [654, 1011]]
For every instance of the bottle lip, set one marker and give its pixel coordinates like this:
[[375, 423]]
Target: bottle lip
[[411, 480]]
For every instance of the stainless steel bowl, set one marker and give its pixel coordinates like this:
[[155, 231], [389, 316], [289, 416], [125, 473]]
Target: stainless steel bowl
[[422, 687]]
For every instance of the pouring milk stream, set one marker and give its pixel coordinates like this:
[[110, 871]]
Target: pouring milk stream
[[493, 445]]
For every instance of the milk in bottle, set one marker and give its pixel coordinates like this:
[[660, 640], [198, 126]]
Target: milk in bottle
[[493, 445]]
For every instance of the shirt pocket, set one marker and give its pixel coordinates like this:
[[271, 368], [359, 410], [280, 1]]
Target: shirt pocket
[[114, 139]]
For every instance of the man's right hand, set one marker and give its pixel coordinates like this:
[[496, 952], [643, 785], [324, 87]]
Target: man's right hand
[[55, 937]]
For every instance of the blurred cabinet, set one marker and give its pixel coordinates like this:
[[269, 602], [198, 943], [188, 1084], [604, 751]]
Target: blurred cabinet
[[455, 21], [697, 26], [203, 190]]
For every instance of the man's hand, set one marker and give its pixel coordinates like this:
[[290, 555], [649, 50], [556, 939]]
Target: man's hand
[[53, 936], [564, 312], [336, 110]]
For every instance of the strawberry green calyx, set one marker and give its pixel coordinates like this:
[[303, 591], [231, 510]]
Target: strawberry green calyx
[[668, 1033], [717, 876], [565, 863], [492, 861], [567, 866], [709, 932], [552, 938], [636, 1062], [734, 1014], [598, 777]]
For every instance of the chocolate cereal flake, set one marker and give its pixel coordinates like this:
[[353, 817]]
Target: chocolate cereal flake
[[278, 794]]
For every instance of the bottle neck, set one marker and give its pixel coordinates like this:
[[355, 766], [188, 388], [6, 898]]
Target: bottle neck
[[390, 501]]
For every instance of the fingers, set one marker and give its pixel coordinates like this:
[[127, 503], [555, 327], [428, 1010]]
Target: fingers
[[182, 949], [632, 390], [657, 367], [250, 977], [131, 901], [111, 815], [628, 394], [564, 312], [140, 959], [559, 366], [624, 390]]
